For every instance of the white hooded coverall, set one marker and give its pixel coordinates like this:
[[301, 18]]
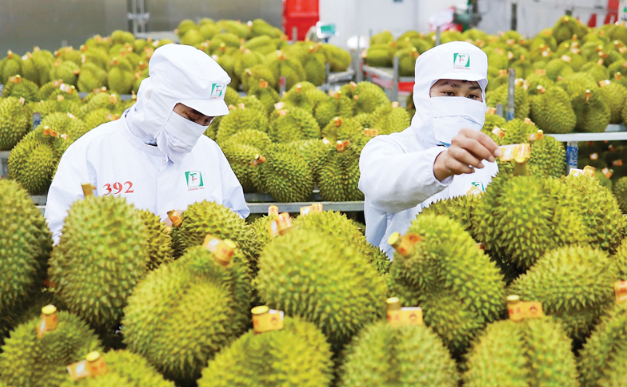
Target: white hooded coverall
[[117, 159], [397, 170]]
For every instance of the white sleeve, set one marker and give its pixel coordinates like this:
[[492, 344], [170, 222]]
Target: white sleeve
[[66, 189], [394, 181], [232, 191]]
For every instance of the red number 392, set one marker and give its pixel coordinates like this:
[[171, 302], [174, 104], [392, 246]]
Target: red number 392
[[117, 188]]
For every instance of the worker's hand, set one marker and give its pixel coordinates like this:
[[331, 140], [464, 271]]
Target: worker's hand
[[466, 152]]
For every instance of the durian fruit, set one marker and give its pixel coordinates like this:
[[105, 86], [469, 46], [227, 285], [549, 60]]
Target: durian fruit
[[246, 60], [620, 192], [533, 352], [65, 70], [294, 124], [26, 245], [36, 67], [340, 129], [10, 65], [304, 273], [15, 122], [98, 117], [227, 62], [260, 27], [261, 44], [551, 110], [338, 174], [521, 100], [19, 87], [255, 74], [597, 71], [312, 152], [120, 79], [288, 67], [235, 27], [202, 218], [338, 58], [297, 355], [379, 55], [266, 95], [457, 285], [593, 114], [314, 66], [337, 226], [600, 212], [493, 120], [100, 100], [91, 77], [390, 118], [184, 26], [517, 131], [184, 312], [243, 159], [459, 209], [536, 79], [601, 361], [575, 285], [299, 97], [558, 68], [122, 37], [407, 61], [566, 27], [124, 369], [412, 355], [26, 360], [192, 37], [382, 38], [95, 274], [548, 158], [614, 95], [251, 137], [32, 163], [337, 106], [285, 174], [241, 118], [159, 239]]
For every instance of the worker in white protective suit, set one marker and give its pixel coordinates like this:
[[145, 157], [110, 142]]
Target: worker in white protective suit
[[443, 153], [156, 155]]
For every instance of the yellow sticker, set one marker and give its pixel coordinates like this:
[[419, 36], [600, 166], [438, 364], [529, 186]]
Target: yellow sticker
[[620, 292], [474, 191], [589, 171], [575, 172], [78, 370], [518, 152], [269, 321], [539, 135], [371, 132], [273, 210], [498, 131], [520, 310], [405, 316]]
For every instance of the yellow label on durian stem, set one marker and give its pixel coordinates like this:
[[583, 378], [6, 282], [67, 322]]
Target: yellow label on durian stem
[[539, 135], [267, 320], [498, 131], [520, 310], [620, 292], [404, 244], [175, 218], [518, 152], [280, 225], [371, 132], [88, 189], [589, 170], [273, 210], [594, 156], [607, 172], [279, 106], [312, 209], [93, 365], [48, 320], [400, 316], [222, 249]]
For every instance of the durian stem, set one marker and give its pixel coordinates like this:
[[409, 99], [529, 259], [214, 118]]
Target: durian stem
[[520, 169]]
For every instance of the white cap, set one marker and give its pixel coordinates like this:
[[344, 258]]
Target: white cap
[[455, 60], [191, 77]]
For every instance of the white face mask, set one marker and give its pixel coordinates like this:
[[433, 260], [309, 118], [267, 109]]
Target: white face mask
[[178, 137], [452, 114]]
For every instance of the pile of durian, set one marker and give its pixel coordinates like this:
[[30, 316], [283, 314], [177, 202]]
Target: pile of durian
[[169, 304], [120, 61]]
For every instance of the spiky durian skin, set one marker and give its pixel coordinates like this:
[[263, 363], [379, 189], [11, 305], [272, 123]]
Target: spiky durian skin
[[412, 355], [250, 137], [553, 112], [533, 352], [337, 225], [159, 240], [32, 164], [206, 217], [333, 107], [28, 361], [593, 114], [26, 89], [456, 284], [602, 356], [369, 97], [285, 174], [620, 192], [574, 284], [307, 274], [521, 100], [614, 95], [298, 355], [548, 158], [102, 255], [338, 175], [390, 120], [601, 213], [241, 157], [295, 124], [241, 119], [15, 122], [165, 322], [124, 369], [26, 245], [458, 209]]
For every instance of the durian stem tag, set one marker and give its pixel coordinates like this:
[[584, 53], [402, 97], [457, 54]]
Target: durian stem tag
[[400, 316], [93, 365], [539, 135], [266, 319], [280, 225], [273, 210], [588, 171], [620, 292], [222, 249], [607, 172], [371, 132], [88, 189], [518, 152], [498, 132], [175, 218], [519, 310], [48, 320], [404, 244], [312, 209]]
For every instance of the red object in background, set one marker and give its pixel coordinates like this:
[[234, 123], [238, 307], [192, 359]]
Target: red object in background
[[302, 14], [610, 17]]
